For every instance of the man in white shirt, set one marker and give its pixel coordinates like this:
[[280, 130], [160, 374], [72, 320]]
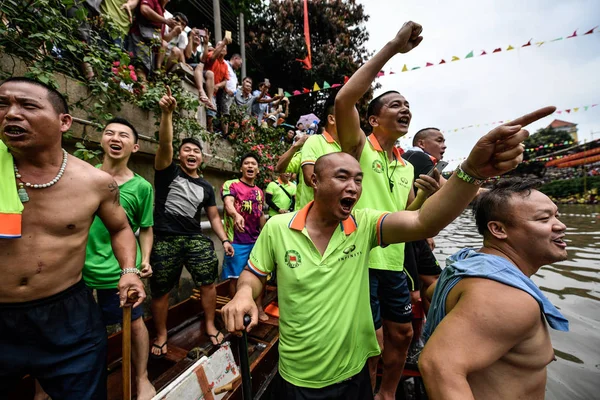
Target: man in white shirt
[[225, 97], [174, 43]]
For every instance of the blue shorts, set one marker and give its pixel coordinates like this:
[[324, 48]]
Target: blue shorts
[[60, 340], [233, 266], [108, 300], [390, 297]]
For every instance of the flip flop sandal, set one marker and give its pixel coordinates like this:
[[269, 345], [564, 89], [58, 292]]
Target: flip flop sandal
[[217, 338], [162, 355]]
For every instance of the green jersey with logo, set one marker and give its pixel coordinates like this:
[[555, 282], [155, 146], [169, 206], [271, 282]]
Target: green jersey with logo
[[326, 328], [386, 186]]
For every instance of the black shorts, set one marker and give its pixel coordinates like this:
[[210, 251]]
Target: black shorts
[[171, 252], [390, 297], [427, 264], [110, 304], [60, 340], [357, 387]]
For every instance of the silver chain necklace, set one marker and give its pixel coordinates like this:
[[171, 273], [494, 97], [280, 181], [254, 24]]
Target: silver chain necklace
[[23, 196]]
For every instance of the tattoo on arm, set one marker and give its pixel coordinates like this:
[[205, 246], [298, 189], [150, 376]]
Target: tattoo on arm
[[114, 189]]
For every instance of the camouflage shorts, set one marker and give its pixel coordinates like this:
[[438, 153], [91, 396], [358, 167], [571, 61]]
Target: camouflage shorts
[[171, 253]]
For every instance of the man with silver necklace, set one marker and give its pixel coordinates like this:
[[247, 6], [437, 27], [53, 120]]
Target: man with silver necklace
[[50, 326]]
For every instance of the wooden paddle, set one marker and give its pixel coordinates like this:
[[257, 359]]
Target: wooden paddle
[[132, 297]]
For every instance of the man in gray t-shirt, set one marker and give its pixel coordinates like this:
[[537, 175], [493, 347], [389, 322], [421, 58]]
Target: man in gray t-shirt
[[245, 100]]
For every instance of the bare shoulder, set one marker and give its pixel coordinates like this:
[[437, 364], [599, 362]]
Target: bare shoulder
[[500, 307], [92, 178]]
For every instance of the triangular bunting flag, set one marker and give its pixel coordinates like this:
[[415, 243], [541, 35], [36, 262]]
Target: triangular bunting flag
[[326, 85], [498, 50], [573, 35], [568, 111], [380, 74], [594, 105], [335, 85], [575, 109], [585, 108], [346, 79], [429, 64], [528, 43], [483, 53], [454, 58], [443, 61], [286, 94], [305, 90], [391, 72], [559, 112], [470, 55], [455, 130], [557, 39], [297, 92], [413, 68], [316, 87], [509, 48], [539, 43], [590, 31], [404, 69]]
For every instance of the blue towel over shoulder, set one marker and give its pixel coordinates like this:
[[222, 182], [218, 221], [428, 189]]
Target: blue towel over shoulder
[[468, 263]]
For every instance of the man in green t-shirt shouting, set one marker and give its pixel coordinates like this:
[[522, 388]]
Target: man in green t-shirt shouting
[[101, 270]]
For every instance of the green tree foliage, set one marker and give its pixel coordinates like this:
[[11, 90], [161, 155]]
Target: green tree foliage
[[275, 39], [544, 141]]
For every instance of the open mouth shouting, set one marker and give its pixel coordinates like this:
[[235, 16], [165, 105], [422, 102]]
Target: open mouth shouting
[[14, 131], [347, 203], [560, 242], [404, 121], [250, 172], [191, 162], [115, 147]]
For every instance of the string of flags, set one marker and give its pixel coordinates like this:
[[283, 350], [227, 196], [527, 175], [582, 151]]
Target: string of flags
[[470, 54]]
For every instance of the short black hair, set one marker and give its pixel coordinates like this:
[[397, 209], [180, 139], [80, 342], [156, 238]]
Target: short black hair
[[249, 155], [58, 101], [422, 134], [191, 140], [376, 104], [123, 121], [329, 109], [181, 16], [492, 205], [248, 78], [235, 55]]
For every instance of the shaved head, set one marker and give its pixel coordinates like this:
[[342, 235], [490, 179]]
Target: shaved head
[[331, 161]]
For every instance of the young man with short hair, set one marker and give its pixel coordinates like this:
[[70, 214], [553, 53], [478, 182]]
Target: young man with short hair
[[181, 194], [244, 202], [101, 270]]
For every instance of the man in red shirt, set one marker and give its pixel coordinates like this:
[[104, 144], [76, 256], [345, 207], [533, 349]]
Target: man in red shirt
[[216, 63]]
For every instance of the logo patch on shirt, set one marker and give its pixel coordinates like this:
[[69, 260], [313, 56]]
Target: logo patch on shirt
[[377, 166], [349, 250], [292, 258]]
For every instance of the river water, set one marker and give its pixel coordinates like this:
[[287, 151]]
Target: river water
[[573, 286]]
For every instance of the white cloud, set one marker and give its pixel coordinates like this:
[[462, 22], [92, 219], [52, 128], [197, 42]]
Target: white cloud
[[496, 86]]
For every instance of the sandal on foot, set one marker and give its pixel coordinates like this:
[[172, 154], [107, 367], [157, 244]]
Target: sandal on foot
[[162, 355], [217, 338]]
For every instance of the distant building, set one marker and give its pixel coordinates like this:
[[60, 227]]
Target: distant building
[[564, 126]]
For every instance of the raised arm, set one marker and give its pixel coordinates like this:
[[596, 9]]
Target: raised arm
[[151, 15], [494, 154], [122, 238], [286, 157], [164, 153], [461, 344], [352, 138]]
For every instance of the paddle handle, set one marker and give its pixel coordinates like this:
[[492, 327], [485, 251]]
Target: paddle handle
[[245, 362]]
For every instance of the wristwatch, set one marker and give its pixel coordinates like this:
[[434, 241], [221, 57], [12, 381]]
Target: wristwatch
[[130, 271], [468, 178]]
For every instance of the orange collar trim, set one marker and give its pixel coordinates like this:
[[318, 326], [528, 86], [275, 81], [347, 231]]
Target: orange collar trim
[[328, 137], [375, 143], [298, 222]]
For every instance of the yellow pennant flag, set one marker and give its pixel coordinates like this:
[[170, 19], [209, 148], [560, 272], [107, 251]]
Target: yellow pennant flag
[[454, 58], [404, 69], [575, 109], [510, 48], [316, 87], [539, 43]]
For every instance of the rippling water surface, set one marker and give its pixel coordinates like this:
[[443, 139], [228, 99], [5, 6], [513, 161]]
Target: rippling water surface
[[573, 286]]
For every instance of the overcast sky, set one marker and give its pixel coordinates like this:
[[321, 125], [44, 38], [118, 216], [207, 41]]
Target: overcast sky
[[499, 86]]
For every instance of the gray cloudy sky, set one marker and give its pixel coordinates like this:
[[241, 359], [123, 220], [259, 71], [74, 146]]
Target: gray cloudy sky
[[499, 86]]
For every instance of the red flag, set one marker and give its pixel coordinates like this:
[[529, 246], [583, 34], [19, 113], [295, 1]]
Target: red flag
[[483, 53], [380, 74], [443, 61], [391, 73], [305, 90], [307, 61], [429, 64], [346, 79], [498, 50], [336, 85], [590, 31], [573, 35], [568, 111], [528, 43]]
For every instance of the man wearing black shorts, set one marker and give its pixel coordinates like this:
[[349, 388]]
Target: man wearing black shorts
[[180, 196], [50, 326]]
